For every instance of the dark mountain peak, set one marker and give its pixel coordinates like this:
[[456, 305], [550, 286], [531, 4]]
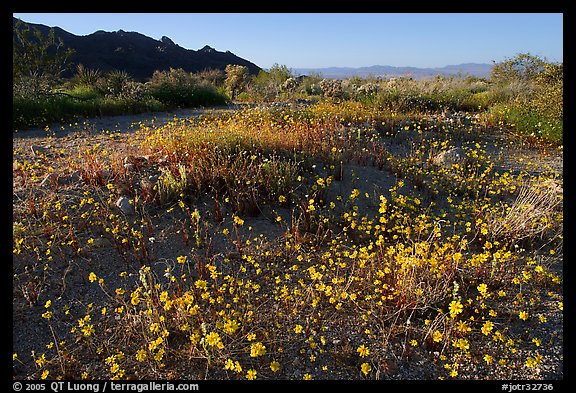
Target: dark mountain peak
[[167, 41], [42, 28], [207, 49], [140, 55]]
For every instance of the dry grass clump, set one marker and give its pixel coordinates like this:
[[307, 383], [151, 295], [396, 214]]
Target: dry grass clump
[[532, 213]]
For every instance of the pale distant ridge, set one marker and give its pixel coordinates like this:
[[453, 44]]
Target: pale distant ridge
[[480, 70]]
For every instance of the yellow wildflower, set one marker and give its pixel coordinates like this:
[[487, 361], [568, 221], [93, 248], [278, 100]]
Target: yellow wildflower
[[365, 368], [363, 351], [455, 308]]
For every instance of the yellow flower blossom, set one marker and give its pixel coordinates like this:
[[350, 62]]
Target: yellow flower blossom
[[141, 355], [363, 351], [274, 366], [461, 344], [41, 360], [231, 326], [257, 349], [251, 374], [463, 327], [483, 289], [487, 327], [229, 364], [455, 308], [365, 368], [213, 339]]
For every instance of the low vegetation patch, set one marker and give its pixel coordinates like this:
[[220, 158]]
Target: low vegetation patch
[[323, 241]]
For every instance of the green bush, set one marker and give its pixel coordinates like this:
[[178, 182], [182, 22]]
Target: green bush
[[84, 92], [244, 97], [526, 121], [532, 91], [529, 122], [270, 85], [178, 88], [187, 96], [548, 99], [28, 112]]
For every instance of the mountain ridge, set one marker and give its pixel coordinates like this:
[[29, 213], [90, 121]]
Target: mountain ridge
[[480, 70], [138, 54]]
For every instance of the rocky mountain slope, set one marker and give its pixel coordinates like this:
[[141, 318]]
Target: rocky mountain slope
[[140, 55]]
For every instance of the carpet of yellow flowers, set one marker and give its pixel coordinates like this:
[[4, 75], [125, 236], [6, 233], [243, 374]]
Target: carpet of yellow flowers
[[288, 242]]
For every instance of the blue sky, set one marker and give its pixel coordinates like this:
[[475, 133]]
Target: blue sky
[[315, 40]]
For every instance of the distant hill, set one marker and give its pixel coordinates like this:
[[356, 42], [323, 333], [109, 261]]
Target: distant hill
[[472, 69], [140, 55]]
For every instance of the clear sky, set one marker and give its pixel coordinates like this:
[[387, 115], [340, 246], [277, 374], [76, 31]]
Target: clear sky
[[314, 40]]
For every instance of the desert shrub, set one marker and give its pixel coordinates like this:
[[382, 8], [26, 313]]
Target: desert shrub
[[91, 93], [528, 121], [401, 101], [38, 60], [209, 78], [406, 94], [290, 85], [114, 106], [310, 85], [531, 90], [244, 97], [182, 97], [332, 88], [460, 99], [269, 85], [548, 98], [236, 79], [171, 185], [83, 92], [178, 88], [86, 76], [116, 83], [368, 88], [523, 66]]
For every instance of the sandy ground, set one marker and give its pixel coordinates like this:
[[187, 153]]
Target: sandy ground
[[122, 123]]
